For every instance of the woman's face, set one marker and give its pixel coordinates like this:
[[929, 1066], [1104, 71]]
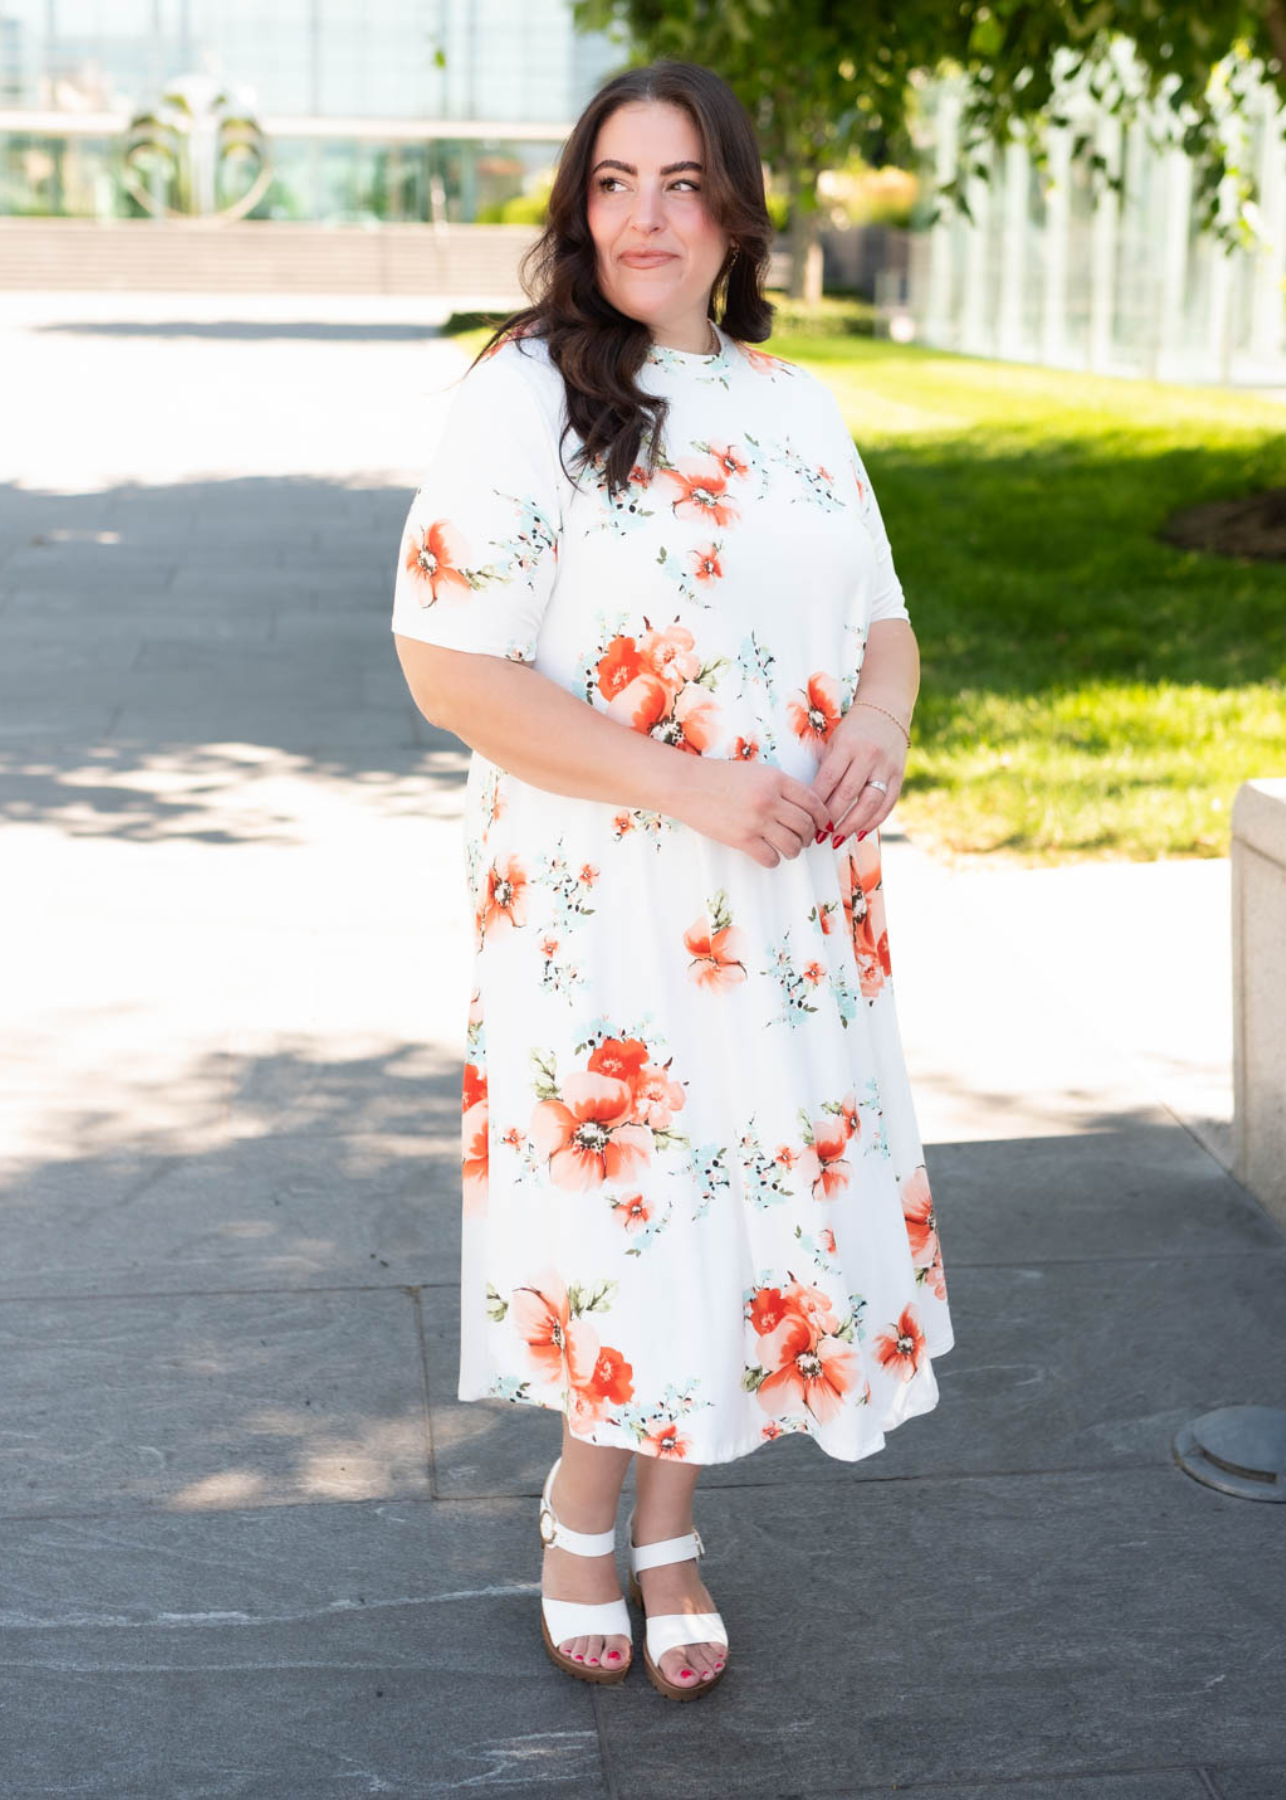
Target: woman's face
[[659, 252]]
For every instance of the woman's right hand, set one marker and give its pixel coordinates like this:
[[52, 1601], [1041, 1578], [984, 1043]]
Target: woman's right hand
[[753, 806]]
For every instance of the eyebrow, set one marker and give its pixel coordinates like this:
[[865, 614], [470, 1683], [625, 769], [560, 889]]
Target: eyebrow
[[611, 162]]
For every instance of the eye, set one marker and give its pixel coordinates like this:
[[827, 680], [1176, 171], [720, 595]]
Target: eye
[[604, 182]]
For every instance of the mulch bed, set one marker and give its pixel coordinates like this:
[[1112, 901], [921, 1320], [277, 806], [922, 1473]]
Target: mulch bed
[[1253, 526]]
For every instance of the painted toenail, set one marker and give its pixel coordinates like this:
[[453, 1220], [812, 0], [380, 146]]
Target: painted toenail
[[718, 1665], [613, 1656], [685, 1673], [579, 1657]]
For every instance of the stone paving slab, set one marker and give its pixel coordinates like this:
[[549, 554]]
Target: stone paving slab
[[285, 1652]]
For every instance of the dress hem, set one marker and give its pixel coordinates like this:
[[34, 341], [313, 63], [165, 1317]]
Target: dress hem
[[618, 1437]]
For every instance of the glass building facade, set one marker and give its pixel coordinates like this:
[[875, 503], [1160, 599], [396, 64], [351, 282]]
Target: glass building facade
[[371, 109]]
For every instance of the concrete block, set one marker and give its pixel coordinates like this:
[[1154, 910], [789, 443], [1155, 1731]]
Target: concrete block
[[1259, 990]]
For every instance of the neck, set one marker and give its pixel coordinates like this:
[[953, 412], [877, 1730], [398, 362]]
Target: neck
[[707, 335]]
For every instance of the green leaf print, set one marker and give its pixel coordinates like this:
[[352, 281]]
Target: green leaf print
[[546, 1083], [496, 1307]]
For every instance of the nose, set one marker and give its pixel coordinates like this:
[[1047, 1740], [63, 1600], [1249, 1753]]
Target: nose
[[646, 215]]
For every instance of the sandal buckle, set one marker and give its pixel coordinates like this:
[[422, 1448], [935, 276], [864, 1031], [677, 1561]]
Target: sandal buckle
[[548, 1526], [701, 1549]]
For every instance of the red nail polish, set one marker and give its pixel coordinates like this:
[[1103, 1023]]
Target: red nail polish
[[839, 838], [861, 835], [685, 1671], [613, 1656], [819, 837]]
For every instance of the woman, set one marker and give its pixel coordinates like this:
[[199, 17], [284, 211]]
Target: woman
[[640, 578]]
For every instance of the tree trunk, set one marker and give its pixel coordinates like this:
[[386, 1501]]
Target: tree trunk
[[805, 245]]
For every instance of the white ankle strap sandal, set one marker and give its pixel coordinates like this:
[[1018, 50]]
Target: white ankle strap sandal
[[576, 1618], [669, 1631]]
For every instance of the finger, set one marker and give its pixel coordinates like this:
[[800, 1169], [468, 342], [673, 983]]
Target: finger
[[808, 798], [799, 820], [871, 808], [782, 838]]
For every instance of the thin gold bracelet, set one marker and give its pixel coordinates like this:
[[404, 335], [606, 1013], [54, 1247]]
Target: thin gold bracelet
[[888, 715]]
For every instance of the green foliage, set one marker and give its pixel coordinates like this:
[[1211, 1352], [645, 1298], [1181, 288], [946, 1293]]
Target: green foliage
[[821, 78]]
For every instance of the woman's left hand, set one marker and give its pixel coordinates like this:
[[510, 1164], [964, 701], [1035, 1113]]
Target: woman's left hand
[[863, 746]]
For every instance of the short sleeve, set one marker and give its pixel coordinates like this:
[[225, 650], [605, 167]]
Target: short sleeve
[[479, 549], [887, 600]]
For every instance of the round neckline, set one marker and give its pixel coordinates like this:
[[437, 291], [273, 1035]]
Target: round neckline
[[668, 357]]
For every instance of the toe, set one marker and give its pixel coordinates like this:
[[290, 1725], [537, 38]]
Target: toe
[[616, 1652], [575, 1648], [677, 1667], [594, 1651]]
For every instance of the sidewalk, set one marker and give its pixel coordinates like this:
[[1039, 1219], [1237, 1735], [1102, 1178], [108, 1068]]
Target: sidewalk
[[254, 1547]]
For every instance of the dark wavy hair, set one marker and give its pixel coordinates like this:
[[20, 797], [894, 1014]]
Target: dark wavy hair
[[597, 349]]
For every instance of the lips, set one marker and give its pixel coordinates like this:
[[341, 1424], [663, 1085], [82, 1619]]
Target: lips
[[646, 259]]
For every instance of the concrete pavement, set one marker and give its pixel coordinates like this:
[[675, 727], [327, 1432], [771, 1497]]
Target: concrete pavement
[[253, 1546]]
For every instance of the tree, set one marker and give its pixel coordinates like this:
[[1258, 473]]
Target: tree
[[821, 79]]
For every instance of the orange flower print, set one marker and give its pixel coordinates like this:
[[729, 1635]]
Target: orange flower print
[[687, 717], [814, 1371], [814, 712], [813, 1306], [666, 1440], [434, 559], [589, 874], [587, 1137], [902, 1346], [473, 1139], [850, 1115], [619, 664], [826, 1238], [619, 1057], [506, 901], [767, 1310], [822, 1163], [705, 564], [745, 749], [561, 1347], [728, 460], [771, 1430], [813, 973], [611, 1378], [702, 493], [633, 1211], [718, 948]]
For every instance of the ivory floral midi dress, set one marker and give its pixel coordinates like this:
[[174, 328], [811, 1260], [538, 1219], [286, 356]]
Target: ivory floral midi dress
[[696, 1211]]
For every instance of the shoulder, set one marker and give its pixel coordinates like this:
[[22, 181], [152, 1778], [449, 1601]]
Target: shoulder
[[521, 362]]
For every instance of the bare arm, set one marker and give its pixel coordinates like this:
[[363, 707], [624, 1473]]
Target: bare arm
[[537, 730]]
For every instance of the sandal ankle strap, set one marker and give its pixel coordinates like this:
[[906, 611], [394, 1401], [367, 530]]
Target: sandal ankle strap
[[665, 1550], [554, 1533]]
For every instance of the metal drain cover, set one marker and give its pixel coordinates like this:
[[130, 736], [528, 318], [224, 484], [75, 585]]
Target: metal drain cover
[[1238, 1449]]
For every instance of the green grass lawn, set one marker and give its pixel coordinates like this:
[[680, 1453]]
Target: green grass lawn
[[1086, 690]]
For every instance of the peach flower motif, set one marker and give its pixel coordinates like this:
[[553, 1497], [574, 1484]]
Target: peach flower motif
[[656, 1097], [473, 1086], [434, 560], [729, 461], [473, 1136], [549, 946], [761, 362], [587, 1137], [705, 564], [561, 1347], [921, 1225], [512, 1137], [785, 1157], [703, 494], [475, 1007], [688, 718], [584, 1410], [822, 1163], [633, 1211], [813, 973], [745, 749], [814, 1306], [623, 823], [589, 874], [826, 1238], [851, 1116], [771, 1430], [666, 1440], [902, 1347], [814, 712], [767, 1310], [815, 1372], [871, 953], [671, 655], [718, 957], [506, 901]]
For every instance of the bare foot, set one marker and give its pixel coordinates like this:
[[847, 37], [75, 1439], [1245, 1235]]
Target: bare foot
[[590, 1579], [678, 1588]]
